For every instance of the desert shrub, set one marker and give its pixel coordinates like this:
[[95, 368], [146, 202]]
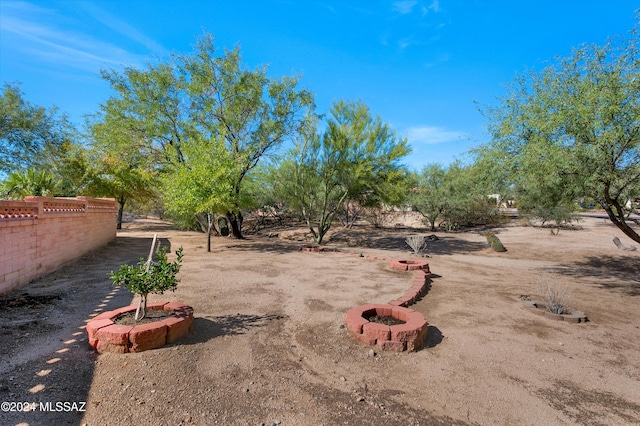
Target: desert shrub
[[472, 212], [556, 297], [417, 243], [560, 215]]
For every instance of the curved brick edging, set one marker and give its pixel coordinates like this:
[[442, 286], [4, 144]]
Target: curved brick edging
[[408, 336], [574, 316], [408, 265], [416, 291], [106, 336]]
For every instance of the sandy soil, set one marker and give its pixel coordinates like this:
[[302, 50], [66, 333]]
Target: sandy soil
[[269, 346]]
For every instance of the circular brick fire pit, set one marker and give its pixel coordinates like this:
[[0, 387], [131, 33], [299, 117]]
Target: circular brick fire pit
[[408, 336], [106, 336]]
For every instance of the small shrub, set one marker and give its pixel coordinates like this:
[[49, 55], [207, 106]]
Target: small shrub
[[556, 298], [149, 277], [417, 243]]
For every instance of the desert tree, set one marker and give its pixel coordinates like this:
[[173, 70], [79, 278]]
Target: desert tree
[[428, 196], [207, 95], [118, 164], [357, 157], [30, 135], [202, 183], [572, 130]]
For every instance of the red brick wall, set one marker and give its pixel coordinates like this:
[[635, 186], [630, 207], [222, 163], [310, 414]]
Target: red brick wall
[[41, 234]]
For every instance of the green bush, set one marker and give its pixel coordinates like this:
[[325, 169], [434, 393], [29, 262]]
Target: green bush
[[149, 277]]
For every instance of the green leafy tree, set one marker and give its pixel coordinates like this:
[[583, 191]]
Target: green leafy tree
[[120, 167], [454, 197], [375, 177], [468, 201], [202, 184], [70, 167], [356, 158], [29, 134], [572, 131], [429, 196], [149, 277], [204, 96]]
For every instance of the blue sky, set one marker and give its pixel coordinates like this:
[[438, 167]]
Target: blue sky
[[419, 65]]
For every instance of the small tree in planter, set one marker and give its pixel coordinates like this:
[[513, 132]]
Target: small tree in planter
[[149, 277]]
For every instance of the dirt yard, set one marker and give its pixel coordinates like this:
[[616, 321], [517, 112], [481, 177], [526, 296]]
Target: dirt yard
[[269, 346]]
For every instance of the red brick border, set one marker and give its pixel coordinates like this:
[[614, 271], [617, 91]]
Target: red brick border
[[409, 265], [408, 336], [106, 336]]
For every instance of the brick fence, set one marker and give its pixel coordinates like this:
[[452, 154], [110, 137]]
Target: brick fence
[[41, 234]]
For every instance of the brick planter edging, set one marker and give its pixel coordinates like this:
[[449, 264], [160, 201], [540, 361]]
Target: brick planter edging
[[408, 336], [408, 265], [106, 336]]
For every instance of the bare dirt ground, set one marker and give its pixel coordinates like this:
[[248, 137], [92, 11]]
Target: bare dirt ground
[[268, 344]]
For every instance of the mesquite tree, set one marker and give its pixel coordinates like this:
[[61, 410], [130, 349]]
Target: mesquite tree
[[203, 98], [572, 131]]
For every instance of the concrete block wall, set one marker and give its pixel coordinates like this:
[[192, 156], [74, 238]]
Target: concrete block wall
[[41, 234]]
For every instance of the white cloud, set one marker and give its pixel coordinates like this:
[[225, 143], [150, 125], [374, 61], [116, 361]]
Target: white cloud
[[405, 42], [431, 135], [111, 21], [404, 7], [50, 38]]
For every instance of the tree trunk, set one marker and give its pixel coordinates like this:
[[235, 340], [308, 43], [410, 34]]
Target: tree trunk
[[141, 311], [120, 212], [235, 220], [209, 226], [617, 217]]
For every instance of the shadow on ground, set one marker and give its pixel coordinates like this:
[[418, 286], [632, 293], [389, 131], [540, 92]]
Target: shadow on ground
[[45, 354], [612, 272], [443, 246], [434, 337], [265, 246], [210, 327]]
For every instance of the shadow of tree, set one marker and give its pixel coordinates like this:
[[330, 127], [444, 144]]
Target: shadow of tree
[[207, 328], [613, 272], [445, 245], [268, 246], [148, 226]]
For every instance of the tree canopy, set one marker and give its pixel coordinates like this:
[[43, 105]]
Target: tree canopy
[[30, 135], [356, 159], [572, 131], [202, 97]]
